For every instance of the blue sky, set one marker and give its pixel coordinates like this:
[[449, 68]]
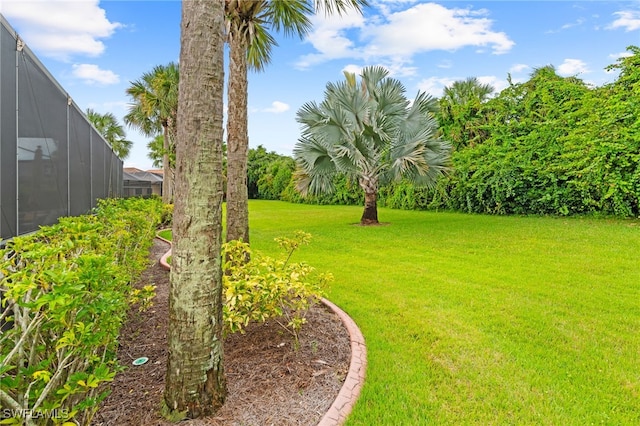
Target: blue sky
[[95, 49]]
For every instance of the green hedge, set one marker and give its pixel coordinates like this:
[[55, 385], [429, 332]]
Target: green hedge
[[65, 294], [551, 145]]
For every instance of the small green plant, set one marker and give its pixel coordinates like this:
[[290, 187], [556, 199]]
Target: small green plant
[[167, 215], [142, 297], [65, 292], [265, 288]]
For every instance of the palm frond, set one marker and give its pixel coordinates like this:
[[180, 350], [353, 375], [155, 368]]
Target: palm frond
[[259, 50], [291, 17], [315, 166], [329, 7], [372, 76], [371, 130]]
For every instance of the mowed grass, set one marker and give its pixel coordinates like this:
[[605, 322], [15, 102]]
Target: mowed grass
[[480, 319], [166, 234]]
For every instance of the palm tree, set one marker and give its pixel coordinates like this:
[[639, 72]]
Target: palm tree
[[107, 125], [370, 132], [459, 116], [195, 384], [248, 23], [154, 110], [468, 90], [156, 152]]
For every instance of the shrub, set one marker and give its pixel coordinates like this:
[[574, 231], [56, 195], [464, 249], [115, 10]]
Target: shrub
[[65, 294], [167, 215], [264, 288]]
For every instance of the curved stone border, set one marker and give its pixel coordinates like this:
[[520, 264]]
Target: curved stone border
[[163, 259], [350, 391]]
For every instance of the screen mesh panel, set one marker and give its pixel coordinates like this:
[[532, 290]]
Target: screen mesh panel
[[53, 163], [8, 135]]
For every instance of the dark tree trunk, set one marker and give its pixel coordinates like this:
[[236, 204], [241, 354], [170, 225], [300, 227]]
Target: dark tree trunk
[[237, 142], [370, 214], [195, 383]]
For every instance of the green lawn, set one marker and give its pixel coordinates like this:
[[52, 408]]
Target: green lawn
[[479, 319], [166, 234]]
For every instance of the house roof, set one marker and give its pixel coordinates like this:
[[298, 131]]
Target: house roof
[[131, 170], [141, 176], [159, 172]]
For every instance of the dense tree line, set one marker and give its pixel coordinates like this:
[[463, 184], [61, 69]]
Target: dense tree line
[[550, 145]]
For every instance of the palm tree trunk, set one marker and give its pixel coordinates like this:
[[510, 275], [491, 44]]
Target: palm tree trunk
[[167, 189], [370, 187], [370, 214], [237, 143], [195, 383]]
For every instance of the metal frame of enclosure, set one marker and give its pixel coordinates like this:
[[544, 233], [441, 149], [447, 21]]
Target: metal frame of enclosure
[[53, 162]]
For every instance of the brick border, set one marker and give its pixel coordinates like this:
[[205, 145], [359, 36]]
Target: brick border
[[163, 259], [350, 391]]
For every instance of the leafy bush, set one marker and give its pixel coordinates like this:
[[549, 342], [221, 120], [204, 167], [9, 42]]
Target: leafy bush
[[264, 287], [552, 145], [275, 178], [405, 195], [167, 215], [346, 193], [65, 294]]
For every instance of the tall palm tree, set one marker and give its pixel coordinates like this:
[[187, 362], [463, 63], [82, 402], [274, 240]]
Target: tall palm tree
[[154, 111], [369, 131], [459, 114], [156, 151], [468, 90], [248, 24], [195, 384], [107, 125]]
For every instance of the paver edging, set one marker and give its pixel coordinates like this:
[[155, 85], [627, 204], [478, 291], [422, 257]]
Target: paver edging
[[350, 391]]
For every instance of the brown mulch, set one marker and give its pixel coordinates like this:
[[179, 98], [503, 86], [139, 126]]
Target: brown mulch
[[269, 381]]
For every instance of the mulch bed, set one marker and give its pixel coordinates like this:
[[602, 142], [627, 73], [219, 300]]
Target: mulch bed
[[269, 381]]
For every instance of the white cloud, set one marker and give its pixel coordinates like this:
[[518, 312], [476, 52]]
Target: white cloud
[[60, 28], [577, 23], [571, 67], [395, 37], [616, 57], [430, 26], [498, 84], [329, 38], [445, 64], [92, 74], [519, 68], [396, 70], [619, 55], [435, 85], [277, 107], [627, 19], [353, 69], [399, 68]]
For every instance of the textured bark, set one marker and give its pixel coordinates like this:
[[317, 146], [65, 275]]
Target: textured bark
[[167, 178], [370, 214], [195, 381], [237, 142], [369, 184]]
